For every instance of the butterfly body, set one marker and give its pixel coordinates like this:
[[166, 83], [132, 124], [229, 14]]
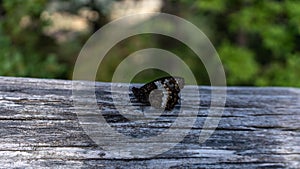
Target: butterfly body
[[162, 93]]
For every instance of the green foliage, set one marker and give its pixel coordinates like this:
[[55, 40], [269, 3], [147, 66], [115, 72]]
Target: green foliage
[[239, 64], [214, 6], [257, 40], [282, 74], [25, 50]]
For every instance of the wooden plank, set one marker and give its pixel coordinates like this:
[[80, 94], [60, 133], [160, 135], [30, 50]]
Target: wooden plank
[[260, 127]]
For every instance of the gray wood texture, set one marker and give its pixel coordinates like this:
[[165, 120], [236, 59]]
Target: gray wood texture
[[259, 128]]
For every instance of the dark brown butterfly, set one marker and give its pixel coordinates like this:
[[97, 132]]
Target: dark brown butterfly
[[162, 93]]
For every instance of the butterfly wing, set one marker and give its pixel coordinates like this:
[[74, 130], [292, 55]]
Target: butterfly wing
[[161, 93], [142, 94]]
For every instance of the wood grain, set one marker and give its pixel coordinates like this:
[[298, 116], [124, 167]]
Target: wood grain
[[259, 128]]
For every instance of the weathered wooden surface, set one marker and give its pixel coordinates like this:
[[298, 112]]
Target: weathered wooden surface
[[260, 127]]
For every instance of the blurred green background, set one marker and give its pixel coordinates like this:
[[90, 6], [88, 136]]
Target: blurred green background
[[257, 41]]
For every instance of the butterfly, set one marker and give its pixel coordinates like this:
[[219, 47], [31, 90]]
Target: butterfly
[[162, 93]]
